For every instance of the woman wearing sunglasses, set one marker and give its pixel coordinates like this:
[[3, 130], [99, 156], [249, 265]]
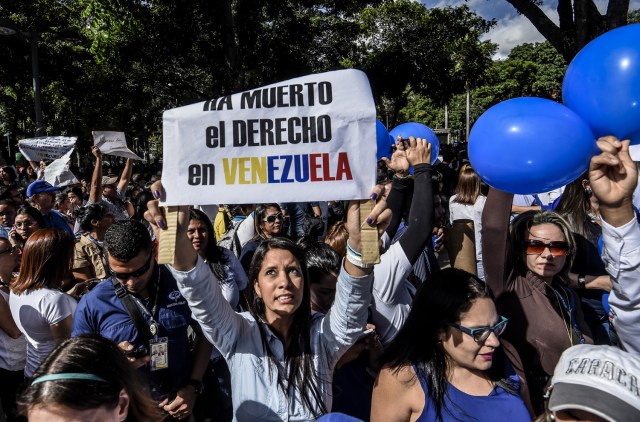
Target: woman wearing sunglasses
[[457, 371], [268, 221], [527, 272]]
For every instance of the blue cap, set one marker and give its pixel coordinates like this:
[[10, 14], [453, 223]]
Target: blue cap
[[40, 186]]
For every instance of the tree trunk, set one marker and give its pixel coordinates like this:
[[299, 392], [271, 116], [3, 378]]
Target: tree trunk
[[231, 48], [580, 22], [617, 13]]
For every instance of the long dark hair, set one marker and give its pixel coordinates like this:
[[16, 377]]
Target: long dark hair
[[33, 213], [94, 355], [214, 253], [259, 214], [575, 205], [298, 355], [443, 300], [13, 175]]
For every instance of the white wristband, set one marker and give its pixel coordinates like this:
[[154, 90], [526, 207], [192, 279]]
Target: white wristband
[[358, 262]]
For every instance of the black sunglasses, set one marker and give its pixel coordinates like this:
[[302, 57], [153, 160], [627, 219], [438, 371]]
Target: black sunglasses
[[137, 273], [273, 217], [536, 247], [481, 334]]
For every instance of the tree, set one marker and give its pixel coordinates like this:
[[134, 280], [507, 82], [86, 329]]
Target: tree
[[530, 70], [129, 60], [579, 22], [406, 48]]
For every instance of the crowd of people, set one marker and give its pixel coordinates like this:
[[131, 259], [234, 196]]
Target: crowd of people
[[269, 311]]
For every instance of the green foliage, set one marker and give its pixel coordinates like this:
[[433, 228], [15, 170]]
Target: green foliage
[[118, 64], [406, 48], [109, 23], [530, 70]]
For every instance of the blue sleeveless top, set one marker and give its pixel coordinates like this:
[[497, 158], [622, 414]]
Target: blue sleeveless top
[[499, 405]]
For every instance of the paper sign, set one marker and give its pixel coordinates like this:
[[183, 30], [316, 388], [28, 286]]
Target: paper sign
[[46, 148], [58, 174], [113, 143], [306, 139]]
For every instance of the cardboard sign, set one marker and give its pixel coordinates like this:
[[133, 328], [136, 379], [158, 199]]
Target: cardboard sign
[[306, 139], [46, 147], [113, 143]]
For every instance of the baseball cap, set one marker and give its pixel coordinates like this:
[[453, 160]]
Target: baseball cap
[[602, 380], [40, 186], [109, 180]]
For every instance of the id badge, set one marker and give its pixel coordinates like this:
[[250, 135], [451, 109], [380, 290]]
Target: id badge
[[159, 353]]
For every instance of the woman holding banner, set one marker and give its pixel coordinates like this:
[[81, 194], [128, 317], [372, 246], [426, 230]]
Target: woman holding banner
[[278, 346], [528, 273]]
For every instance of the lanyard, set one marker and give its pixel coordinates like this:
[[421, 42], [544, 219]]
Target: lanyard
[[153, 325], [569, 311]]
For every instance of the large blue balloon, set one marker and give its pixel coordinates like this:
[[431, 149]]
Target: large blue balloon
[[530, 145], [418, 130], [602, 84], [383, 141]]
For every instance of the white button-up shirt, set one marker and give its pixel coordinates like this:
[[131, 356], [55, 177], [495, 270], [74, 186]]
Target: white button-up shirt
[[255, 390]]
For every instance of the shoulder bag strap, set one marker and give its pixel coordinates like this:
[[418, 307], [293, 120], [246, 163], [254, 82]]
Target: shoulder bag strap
[[132, 309]]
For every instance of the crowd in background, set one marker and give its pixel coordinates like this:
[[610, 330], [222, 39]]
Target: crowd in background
[[270, 313]]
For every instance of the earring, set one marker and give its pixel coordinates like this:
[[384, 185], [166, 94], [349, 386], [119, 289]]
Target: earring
[[258, 305], [588, 191]]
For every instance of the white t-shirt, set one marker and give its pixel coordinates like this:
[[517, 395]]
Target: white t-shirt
[[458, 211], [34, 311], [12, 350]]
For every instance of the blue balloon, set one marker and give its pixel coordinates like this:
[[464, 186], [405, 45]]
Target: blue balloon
[[530, 145], [418, 130], [383, 140], [602, 84]]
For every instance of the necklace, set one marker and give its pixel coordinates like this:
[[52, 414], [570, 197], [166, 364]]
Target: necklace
[[560, 302]]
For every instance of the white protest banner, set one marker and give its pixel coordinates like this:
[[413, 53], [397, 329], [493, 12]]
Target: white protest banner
[[306, 139], [113, 143], [58, 174], [46, 147]]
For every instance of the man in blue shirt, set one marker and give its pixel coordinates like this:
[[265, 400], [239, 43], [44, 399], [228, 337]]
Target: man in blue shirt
[[42, 196], [173, 372]]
